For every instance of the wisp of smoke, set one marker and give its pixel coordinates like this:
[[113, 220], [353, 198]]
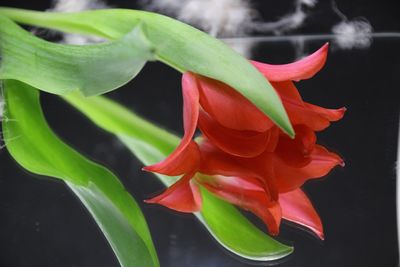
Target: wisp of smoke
[[353, 34], [218, 18], [228, 18], [356, 33], [288, 22], [76, 5], [232, 18]]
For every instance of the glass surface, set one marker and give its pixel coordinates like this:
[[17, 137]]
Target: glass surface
[[43, 224]]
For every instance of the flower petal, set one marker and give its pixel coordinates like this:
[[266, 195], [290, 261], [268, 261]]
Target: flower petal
[[186, 156], [274, 139], [182, 196], [297, 208], [289, 178], [303, 69], [234, 142], [230, 108], [248, 194], [300, 112], [329, 114], [181, 161], [288, 93], [296, 152], [216, 162]]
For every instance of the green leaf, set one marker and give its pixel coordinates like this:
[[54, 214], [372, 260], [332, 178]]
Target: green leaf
[[35, 147], [176, 44], [240, 236], [152, 144], [60, 69]]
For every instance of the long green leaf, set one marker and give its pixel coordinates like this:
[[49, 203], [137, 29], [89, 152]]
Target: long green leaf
[[60, 69], [152, 144], [34, 146], [176, 44]]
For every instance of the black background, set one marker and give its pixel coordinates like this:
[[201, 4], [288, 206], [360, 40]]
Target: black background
[[43, 224], [384, 15]]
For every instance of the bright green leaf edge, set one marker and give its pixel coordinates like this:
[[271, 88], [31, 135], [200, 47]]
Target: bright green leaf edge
[[176, 44], [152, 144], [60, 68], [35, 147]]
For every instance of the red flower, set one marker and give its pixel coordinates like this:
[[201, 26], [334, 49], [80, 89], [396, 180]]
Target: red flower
[[243, 157]]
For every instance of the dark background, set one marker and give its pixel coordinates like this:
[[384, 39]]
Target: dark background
[[43, 224], [384, 15]]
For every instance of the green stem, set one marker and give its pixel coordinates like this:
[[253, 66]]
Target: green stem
[[126, 123]]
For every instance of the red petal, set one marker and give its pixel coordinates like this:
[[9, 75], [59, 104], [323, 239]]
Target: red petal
[[288, 93], [289, 178], [216, 162], [238, 143], [299, 70], [299, 112], [229, 108], [237, 185], [329, 114], [186, 156], [296, 152], [297, 208], [182, 196], [247, 193], [181, 161], [274, 139]]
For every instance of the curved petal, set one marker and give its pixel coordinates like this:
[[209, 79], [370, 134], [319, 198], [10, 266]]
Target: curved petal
[[238, 143], [238, 185], [296, 152], [248, 194], [274, 139], [181, 161], [297, 208], [329, 114], [229, 108], [186, 156], [289, 178], [310, 118], [182, 196], [299, 112], [303, 69], [288, 93], [216, 162]]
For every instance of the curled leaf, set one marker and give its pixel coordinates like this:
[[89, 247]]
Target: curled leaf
[[176, 44], [60, 69], [36, 148]]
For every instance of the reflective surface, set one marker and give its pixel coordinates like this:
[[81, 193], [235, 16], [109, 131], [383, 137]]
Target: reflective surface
[[43, 224]]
